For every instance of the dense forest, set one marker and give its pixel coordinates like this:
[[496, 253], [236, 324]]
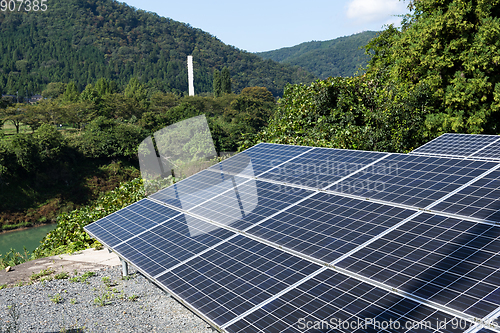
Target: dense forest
[[343, 56], [82, 41]]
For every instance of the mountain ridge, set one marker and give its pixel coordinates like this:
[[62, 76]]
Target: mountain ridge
[[341, 56], [82, 41]]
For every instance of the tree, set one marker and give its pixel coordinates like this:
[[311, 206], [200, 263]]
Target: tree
[[136, 90], [71, 94], [260, 93], [452, 49], [15, 114], [54, 90], [225, 79], [217, 84]]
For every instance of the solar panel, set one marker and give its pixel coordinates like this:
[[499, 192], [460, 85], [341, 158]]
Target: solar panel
[[457, 145], [333, 302], [327, 226], [452, 262], [479, 200], [412, 180], [281, 236], [259, 159], [320, 167]]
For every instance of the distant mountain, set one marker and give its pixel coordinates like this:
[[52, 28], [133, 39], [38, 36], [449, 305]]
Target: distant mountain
[[83, 40], [337, 57]]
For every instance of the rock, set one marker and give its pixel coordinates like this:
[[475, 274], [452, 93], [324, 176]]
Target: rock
[[7, 269]]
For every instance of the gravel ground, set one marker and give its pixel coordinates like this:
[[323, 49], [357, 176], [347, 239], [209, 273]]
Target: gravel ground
[[133, 305]]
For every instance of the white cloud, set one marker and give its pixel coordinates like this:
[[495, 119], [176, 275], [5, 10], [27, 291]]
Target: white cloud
[[374, 10]]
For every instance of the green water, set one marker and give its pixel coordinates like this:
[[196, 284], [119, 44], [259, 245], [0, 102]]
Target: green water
[[30, 238]]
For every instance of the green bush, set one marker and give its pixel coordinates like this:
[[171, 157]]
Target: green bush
[[109, 138], [69, 235]]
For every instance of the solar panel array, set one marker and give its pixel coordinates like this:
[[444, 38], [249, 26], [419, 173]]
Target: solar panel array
[[292, 239]]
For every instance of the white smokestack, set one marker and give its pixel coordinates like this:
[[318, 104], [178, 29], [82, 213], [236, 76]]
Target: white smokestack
[[190, 75]]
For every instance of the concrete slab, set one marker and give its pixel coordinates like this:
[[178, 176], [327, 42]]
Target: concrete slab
[[87, 260], [102, 257]]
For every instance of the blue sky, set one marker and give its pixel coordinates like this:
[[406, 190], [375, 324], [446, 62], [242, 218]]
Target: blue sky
[[261, 25]]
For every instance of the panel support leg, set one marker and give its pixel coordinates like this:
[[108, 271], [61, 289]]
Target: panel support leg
[[124, 267]]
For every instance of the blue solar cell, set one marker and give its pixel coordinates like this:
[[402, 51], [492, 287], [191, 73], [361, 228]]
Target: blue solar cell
[[459, 145], [327, 226], [259, 159], [321, 167], [411, 179], [491, 152], [249, 203], [170, 243], [129, 221], [479, 200], [333, 302], [234, 277], [444, 260], [197, 189]]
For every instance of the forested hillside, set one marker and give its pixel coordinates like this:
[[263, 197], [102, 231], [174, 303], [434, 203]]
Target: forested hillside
[[82, 41], [337, 57]]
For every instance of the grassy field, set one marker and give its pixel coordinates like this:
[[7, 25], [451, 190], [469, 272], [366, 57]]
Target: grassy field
[[9, 129]]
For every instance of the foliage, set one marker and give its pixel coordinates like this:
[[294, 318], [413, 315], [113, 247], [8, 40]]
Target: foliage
[[225, 81], [342, 56], [217, 83], [452, 48], [349, 113], [69, 234], [13, 258], [109, 138]]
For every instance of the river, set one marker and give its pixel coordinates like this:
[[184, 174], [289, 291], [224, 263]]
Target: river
[[29, 237]]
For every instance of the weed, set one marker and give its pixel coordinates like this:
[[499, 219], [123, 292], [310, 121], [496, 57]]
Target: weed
[[82, 278], [62, 275], [104, 299], [72, 301], [133, 298], [46, 278], [19, 284], [86, 275], [107, 281], [3, 286], [56, 298], [43, 272]]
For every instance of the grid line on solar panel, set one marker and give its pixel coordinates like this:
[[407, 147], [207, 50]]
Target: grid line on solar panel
[[171, 243], [127, 222], [249, 203], [451, 262], [478, 200], [320, 167], [230, 279], [326, 227], [332, 298], [459, 145], [413, 180], [196, 189], [259, 159], [492, 151]]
